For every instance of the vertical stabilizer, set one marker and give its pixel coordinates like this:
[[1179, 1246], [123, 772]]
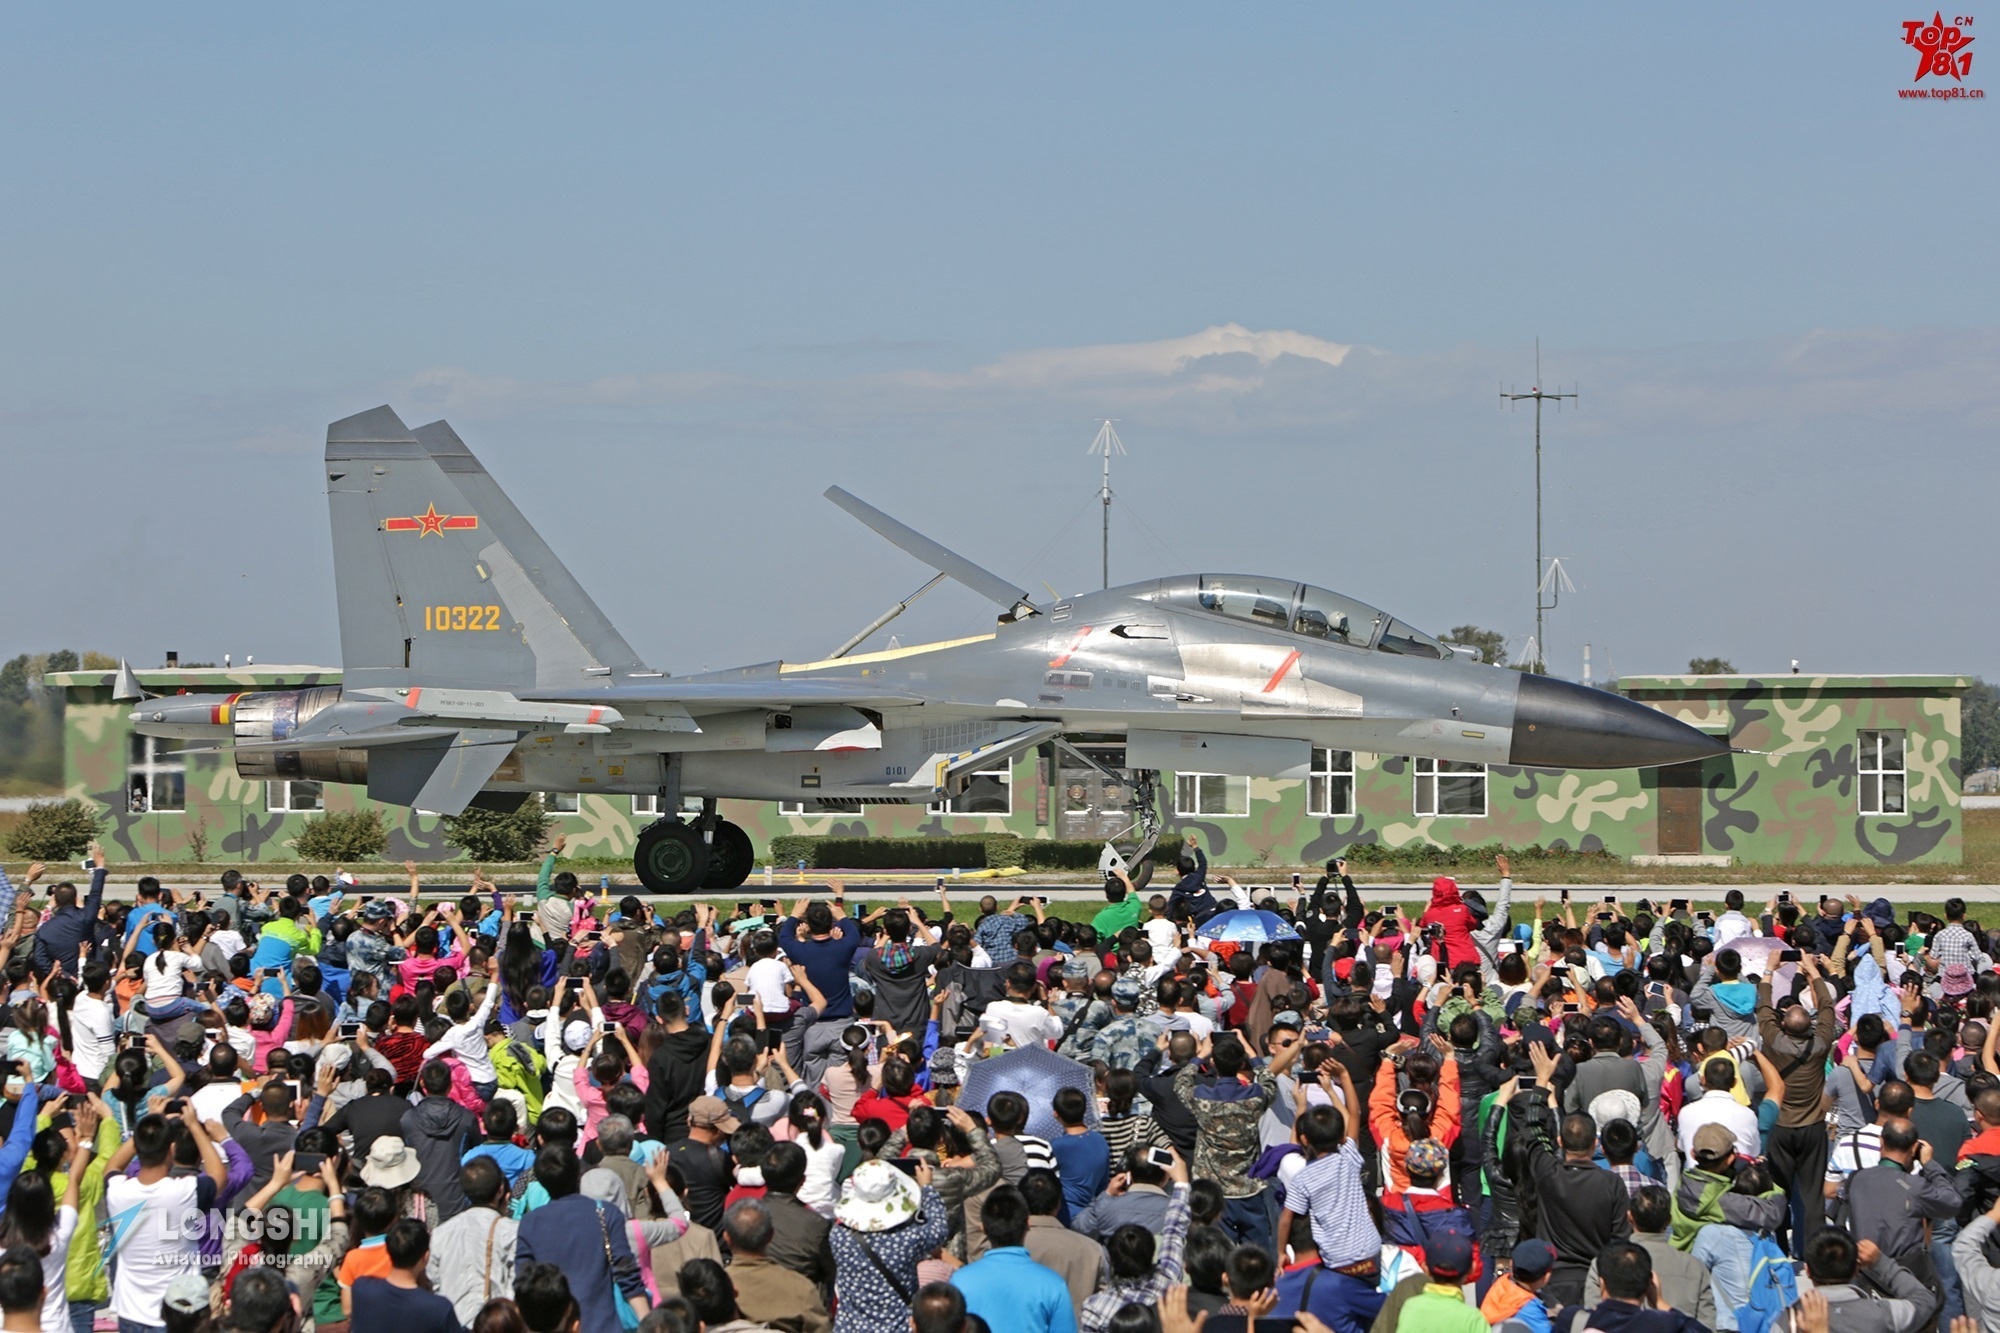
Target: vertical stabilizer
[[431, 591]]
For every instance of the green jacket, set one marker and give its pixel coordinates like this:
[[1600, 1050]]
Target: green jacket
[[1440, 1309], [522, 1075], [84, 1275]]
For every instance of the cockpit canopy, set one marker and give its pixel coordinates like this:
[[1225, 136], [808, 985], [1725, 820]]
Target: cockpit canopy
[[1298, 608]]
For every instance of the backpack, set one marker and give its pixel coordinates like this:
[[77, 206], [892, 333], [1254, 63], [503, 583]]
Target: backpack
[[740, 1100], [1774, 1287], [1413, 1228]]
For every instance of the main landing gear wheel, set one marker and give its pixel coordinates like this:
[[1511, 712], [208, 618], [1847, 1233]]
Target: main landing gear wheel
[[731, 858], [671, 857]]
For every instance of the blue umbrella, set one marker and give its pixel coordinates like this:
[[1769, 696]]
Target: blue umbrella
[[1038, 1074], [1246, 926]]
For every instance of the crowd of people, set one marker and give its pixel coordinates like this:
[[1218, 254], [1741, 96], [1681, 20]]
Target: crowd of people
[[317, 1106]]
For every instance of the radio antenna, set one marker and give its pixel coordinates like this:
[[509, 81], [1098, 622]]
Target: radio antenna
[[1537, 395], [1106, 443]]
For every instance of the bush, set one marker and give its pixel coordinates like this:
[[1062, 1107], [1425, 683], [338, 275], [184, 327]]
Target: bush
[[55, 830], [491, 835], [353, 835]]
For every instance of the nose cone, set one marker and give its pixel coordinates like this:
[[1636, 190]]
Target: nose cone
[[1560, 725]]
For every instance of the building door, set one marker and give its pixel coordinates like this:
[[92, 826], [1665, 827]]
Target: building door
[[1680, 809], [1093, 805]]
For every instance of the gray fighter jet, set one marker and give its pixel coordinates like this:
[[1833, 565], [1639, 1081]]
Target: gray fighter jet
[[477, 670]]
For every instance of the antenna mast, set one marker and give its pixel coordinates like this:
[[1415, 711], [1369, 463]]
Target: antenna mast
[[1538, 397], [1107, 443]]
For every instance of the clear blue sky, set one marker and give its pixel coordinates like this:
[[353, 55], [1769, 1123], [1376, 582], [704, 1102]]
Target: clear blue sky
[[673, 270]]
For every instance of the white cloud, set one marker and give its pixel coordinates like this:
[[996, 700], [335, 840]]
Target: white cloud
[[1051, 367]]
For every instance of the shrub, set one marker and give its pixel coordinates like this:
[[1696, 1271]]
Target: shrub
[[493, 835], [351, 835], [55, 830]]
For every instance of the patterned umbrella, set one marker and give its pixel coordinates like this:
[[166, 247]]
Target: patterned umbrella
[[1037, 1073], [1247, 927]]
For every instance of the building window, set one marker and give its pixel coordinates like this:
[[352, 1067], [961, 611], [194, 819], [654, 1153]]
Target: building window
[[1330, 789], [646, 805], [990, 791], [293, 798], [1449, 787], [1211, 794], [1882, 772], [559, 802], [156, 778]]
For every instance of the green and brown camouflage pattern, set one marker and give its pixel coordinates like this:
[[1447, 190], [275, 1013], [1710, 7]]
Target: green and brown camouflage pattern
[[1795, 800]]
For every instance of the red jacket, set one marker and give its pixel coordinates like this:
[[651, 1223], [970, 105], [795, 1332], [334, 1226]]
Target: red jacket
[[1447, 909]]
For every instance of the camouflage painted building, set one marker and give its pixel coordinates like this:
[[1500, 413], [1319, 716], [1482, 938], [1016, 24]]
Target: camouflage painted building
[[1837, 770]]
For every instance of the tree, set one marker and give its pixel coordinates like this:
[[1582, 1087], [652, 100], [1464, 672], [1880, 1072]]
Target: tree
[[1710, 666], [494, 835], [55, 830], [1979, 727], [1491, 643], [351, 835]]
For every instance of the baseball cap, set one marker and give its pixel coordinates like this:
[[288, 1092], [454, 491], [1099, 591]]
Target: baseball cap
[[1713, 1143], [1426, 1157], [187, 1294], [1076, 967], [712, 1113], [1533, 1259], [378, 911], [345, 879], [1125, 990], [1448, 1255]]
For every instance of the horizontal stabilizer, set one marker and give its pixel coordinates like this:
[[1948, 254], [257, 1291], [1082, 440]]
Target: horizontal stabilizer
[[442, 775], [984, 582]]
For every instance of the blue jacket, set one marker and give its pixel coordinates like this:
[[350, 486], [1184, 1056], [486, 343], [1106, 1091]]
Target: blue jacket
[[1014, 1294], [573, 1233]]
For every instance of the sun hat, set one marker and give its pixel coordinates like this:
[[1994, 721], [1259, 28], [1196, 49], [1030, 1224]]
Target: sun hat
[[187, 1294], [576, 1035], [391, 1163], [1614, 1104], [712, 1113], [877, 1197]]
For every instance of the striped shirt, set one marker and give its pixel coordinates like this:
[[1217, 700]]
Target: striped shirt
[[1328, 1191]]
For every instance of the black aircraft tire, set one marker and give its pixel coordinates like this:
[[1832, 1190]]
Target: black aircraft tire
[[1142, 876], [671, 857], [731, 858]]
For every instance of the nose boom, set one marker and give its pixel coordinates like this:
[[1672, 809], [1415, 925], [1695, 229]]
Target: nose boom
[[1561, 725]]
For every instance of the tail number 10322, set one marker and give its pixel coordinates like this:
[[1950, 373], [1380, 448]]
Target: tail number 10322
[[461, 617]]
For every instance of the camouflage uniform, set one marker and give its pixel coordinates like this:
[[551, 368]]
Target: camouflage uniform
[[1123, 1042], [1148, 1003], [1083, 1017], [369, 954], [1227, 1143]]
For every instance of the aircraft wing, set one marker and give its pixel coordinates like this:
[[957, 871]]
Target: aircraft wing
[[944, 560]]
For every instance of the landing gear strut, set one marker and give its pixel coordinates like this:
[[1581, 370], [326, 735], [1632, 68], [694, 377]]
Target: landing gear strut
[[710, 854]]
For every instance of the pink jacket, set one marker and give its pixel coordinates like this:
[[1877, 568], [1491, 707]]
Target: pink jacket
[[592, 1098], [413, 970]]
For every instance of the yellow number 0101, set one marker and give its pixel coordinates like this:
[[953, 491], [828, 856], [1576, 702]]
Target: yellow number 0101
[[461, 617]]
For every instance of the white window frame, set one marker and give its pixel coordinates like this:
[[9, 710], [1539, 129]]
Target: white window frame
[[279, 798], [1872, 771], [552, 802], [1328, 765], [1424, 787], [646, 805], [1232, 788], [1002, 769], [152, 763]]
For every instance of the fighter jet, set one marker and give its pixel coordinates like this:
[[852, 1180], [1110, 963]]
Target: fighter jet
[[476, 670]]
